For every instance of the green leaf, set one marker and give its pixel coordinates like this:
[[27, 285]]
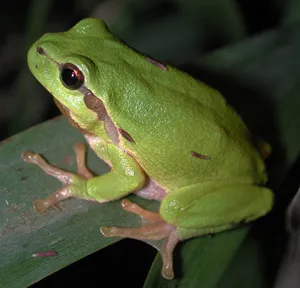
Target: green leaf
[[247, 267], [201, 261], [72, 233]]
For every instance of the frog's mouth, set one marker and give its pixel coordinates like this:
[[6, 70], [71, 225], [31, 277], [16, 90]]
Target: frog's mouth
[[91, 101]]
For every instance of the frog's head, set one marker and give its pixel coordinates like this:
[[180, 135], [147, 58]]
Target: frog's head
[[65, 64]]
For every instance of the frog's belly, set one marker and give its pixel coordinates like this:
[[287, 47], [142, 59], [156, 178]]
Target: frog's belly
[[152, 191]]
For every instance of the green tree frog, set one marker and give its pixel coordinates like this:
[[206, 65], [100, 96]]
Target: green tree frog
[[165, 135]]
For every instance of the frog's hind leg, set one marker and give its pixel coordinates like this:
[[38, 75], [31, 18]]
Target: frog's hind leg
[[155, 229], [63, 176], [195, 210], [208, 207]]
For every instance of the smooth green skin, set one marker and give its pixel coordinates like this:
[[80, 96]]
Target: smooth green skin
[[169, 114]]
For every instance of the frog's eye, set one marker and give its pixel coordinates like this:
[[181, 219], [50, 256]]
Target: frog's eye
[[71, 77]]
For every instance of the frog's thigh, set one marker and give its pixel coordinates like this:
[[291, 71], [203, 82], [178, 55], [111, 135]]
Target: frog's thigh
[[207, 206]]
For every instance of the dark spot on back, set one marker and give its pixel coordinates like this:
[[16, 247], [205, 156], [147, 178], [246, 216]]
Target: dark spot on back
[[40, 51], [126, 135], [200, 156]]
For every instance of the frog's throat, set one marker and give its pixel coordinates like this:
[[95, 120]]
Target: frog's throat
[[91, 102], [66, 112]]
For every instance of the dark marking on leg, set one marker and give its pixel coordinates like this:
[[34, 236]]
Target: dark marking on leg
[[200, 156], [126, 135]]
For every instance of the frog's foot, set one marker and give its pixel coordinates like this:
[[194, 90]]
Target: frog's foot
[[156, 229], [63, 176]]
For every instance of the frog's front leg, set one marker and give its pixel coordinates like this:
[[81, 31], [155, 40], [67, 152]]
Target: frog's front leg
[[61, 175], [199, 209], [125, 176]]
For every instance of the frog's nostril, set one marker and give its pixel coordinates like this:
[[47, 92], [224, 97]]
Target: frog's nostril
[[40, 51]]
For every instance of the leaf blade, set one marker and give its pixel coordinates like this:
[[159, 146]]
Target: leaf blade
[[72, 233]]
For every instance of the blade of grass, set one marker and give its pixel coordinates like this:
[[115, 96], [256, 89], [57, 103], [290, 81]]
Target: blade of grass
[[72, 233], [199, 262]]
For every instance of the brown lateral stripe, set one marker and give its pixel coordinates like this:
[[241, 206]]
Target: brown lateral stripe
[[111, 130], [200, 156], [126, 135], [95, 104]]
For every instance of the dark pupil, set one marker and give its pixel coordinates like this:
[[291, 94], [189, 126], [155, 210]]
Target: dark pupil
[[71, 78]]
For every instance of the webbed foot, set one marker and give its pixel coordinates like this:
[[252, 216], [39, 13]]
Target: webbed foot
[[155, 229], [67, 178]]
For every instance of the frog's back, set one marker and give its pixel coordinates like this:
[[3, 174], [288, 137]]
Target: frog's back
[[183, 131]]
